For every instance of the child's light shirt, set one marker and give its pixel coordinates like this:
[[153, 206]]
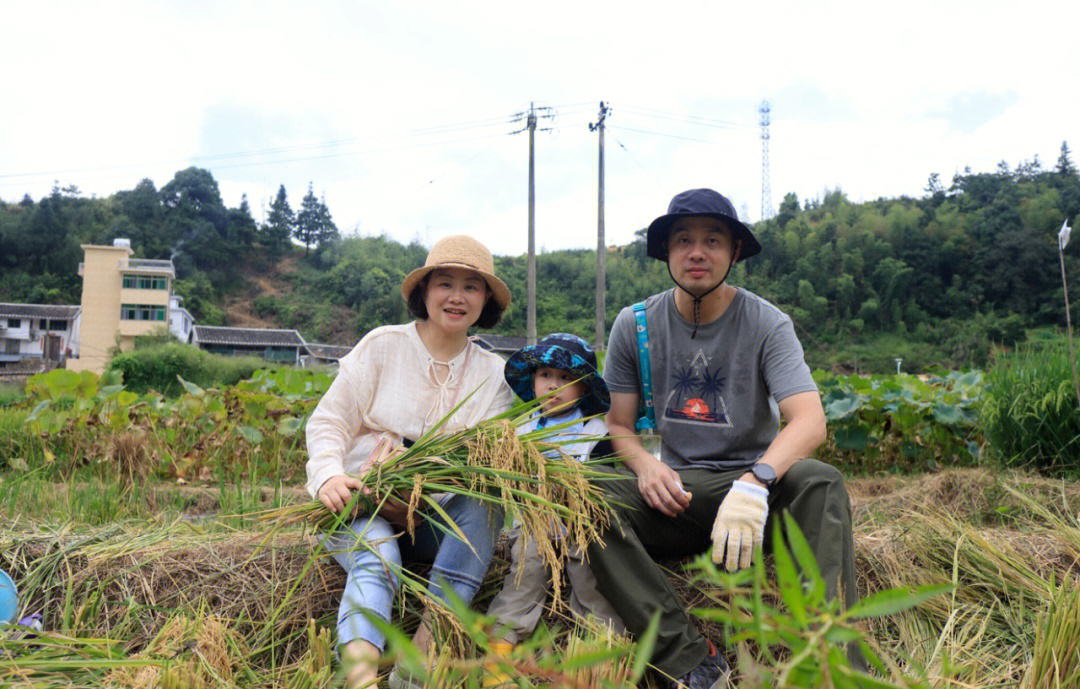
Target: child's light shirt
[[590, 431], [389, 386]]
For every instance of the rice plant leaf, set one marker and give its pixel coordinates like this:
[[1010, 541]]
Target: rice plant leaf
[[893, 601], [644, 649], [434, 504], [589, 659], [787, 577]]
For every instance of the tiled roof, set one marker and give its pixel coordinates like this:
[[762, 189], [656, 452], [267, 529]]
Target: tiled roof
[[38, 311], [248, 337], [325, 351], [500, 343]]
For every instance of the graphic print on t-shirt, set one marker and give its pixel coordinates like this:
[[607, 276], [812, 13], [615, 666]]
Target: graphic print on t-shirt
[[695, 393]]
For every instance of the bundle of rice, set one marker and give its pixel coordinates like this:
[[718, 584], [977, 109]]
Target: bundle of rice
[[526, 475]]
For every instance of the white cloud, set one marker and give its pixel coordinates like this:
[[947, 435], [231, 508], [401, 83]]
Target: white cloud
[[103, 95]]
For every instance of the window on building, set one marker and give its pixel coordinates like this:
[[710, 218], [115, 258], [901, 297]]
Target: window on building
[[142, 312], [41, 323], [57, 325], [14, 323], [145, 282]]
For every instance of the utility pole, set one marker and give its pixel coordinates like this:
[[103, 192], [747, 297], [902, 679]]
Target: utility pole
[[601, 276], [530, 316]]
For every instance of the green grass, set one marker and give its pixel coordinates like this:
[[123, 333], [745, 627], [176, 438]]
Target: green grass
[[1030, 413], [11, 394], [87, 498]]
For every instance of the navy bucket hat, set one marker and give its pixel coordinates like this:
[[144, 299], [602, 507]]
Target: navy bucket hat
[[699, 202], [565, 352]]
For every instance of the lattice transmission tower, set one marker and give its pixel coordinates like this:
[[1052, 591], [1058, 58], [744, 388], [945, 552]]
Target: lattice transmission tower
[[766, 192]]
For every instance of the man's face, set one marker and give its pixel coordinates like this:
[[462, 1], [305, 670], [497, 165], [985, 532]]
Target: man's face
[[699, 253]]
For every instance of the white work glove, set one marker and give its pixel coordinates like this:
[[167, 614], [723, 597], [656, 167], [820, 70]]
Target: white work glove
[[739, 525]]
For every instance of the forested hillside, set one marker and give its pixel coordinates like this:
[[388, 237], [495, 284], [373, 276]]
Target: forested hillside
[[937, 279]]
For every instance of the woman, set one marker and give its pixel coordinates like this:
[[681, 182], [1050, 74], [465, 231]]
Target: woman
[[395, 385]]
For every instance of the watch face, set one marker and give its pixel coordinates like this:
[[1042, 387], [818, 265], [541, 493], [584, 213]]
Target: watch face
[[764, 473]]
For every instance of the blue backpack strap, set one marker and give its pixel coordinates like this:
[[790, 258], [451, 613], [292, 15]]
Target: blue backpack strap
[[646, 413]]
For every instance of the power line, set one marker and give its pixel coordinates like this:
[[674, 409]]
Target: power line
[[303, 158], [425, 131], [682, 117], [671, 136]]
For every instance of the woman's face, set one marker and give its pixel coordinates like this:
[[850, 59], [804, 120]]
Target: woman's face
[[454, 298]]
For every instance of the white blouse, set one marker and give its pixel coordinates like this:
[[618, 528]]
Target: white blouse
[[390, 386]]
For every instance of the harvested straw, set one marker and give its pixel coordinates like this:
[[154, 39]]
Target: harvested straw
[[550, 498]]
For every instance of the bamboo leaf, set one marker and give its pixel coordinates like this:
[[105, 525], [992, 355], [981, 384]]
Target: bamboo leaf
[[804, 555], [893, 601], [788, 578]]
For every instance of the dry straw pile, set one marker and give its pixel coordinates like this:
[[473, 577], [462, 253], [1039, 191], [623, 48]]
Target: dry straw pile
[[1011, 543]]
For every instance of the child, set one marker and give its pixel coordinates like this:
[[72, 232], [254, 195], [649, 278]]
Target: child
[[567, 362]]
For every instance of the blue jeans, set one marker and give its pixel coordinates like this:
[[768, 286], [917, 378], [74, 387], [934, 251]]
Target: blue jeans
[[373, 582]]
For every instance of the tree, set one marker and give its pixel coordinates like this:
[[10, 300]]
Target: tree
[[280, 224], [308, 221], [789, 207], [1065, 166], [327, 230]]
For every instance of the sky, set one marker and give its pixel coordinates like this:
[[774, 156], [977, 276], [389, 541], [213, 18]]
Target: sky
[[407, 117]]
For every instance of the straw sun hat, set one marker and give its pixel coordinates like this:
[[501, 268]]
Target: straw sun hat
[[459, 251]]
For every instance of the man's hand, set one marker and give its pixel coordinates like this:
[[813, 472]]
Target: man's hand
[[740, 525], [662, 488]]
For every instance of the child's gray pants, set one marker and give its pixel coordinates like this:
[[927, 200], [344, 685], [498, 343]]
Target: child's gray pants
[[518, 606]]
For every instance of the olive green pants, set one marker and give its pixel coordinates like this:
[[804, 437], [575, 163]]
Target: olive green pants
[[628, 576]]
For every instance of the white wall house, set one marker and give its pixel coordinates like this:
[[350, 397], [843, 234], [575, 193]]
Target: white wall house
[[38, 331], [180, 320]]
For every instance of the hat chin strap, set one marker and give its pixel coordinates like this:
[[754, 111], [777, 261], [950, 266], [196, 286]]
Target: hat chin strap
[[697, 299]]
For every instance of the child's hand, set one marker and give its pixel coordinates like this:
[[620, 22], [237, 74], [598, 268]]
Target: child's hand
[[336, 492]]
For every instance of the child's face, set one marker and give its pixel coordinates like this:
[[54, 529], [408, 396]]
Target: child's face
[[546, 380]]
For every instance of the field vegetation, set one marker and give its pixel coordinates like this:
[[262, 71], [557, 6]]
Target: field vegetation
[[147, 531]]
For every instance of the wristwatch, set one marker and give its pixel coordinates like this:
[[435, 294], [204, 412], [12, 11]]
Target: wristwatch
[[764, 473]]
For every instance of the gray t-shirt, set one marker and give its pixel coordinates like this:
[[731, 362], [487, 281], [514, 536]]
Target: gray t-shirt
[[715, 395]]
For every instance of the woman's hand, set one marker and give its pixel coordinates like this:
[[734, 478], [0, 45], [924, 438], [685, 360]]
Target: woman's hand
[[393, 510], [336, 492]]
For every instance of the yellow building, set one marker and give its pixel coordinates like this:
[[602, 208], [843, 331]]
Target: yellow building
[[122, 297]]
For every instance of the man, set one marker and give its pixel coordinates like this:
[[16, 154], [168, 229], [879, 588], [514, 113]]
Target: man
[[724, 363]]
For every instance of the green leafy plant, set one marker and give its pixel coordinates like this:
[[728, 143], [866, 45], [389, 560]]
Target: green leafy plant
[[901, 421], [788, 634]]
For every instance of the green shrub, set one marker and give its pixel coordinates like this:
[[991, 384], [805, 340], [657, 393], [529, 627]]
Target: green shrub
[[1030, 414], [156, 368], [11, 394]]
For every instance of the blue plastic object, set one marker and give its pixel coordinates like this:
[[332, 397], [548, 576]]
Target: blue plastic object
[[9, 598]]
